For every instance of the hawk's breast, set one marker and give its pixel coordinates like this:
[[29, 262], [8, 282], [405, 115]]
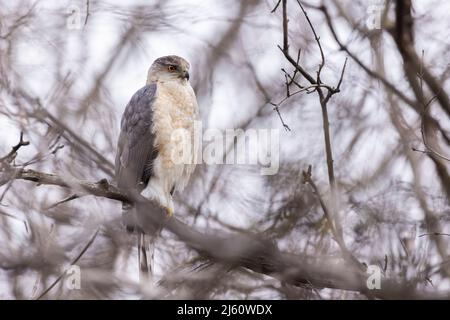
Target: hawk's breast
[[174, 111]]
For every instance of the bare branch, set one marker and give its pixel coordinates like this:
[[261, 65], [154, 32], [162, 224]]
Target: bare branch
[[13, 153]]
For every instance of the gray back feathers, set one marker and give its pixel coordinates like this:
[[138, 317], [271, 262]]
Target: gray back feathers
[[136, 150]]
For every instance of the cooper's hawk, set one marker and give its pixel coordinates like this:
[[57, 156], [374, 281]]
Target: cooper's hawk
[[147, 142]]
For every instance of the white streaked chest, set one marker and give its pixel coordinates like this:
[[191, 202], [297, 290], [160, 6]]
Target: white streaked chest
[[175, 108]]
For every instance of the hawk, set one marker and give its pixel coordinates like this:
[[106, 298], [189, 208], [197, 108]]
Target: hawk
[[147, 143]]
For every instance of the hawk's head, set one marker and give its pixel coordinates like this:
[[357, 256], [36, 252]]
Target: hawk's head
[[169, 68]]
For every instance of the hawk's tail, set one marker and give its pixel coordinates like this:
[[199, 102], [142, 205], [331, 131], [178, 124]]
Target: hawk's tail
[[146, 250], [145, 256], [145, 243]]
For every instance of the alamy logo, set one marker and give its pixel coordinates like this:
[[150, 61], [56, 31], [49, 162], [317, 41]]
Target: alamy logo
[[374, 280], [73, 278], [231, 146]]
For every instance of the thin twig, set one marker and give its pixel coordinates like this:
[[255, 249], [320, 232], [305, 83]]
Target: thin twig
[[87, 13], [434, 234], [66, 199], [322, 56], [338, 87], [13, 153], [286, 127], [276, 7]]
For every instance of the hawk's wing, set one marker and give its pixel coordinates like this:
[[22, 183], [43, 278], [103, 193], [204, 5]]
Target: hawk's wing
[[136, 150]]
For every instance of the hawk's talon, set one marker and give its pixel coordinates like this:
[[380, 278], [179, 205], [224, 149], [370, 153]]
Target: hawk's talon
[[169, 212]]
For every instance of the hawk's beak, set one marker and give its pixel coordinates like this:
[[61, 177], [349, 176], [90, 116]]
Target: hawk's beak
[[186, 75]]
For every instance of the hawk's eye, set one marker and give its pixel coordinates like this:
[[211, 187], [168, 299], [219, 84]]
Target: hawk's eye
[[172, 68]]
